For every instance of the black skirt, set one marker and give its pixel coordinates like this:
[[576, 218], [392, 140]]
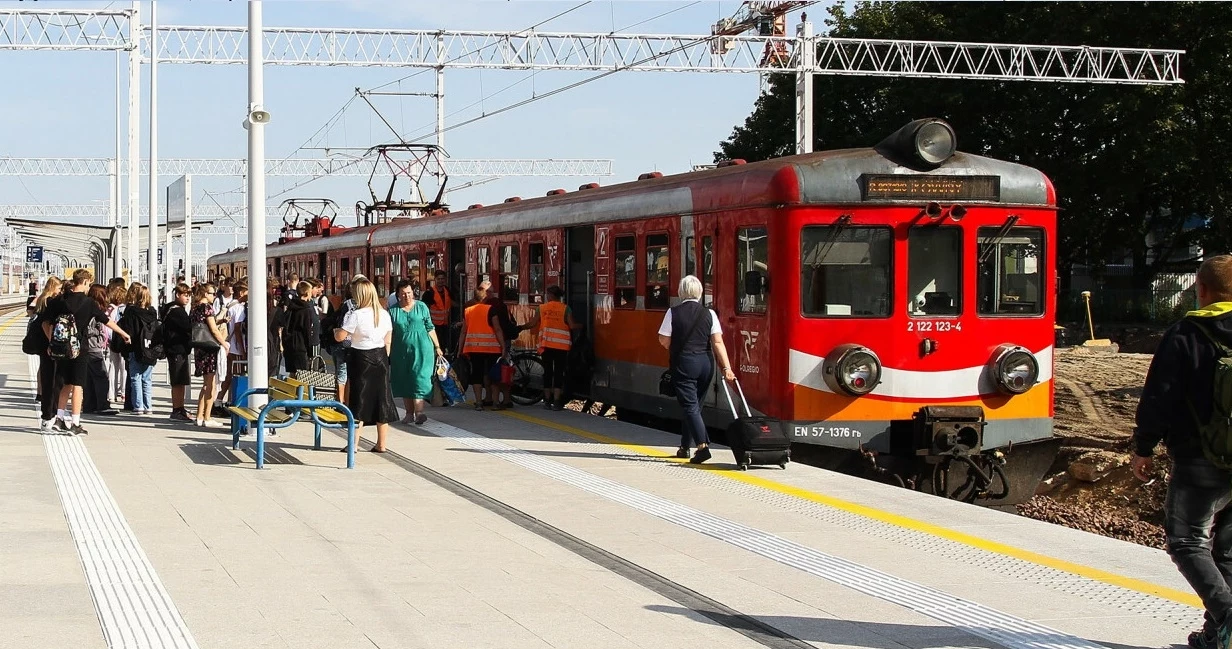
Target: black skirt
[[369, 395]]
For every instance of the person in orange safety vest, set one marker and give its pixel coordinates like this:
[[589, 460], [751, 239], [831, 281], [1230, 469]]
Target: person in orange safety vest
[[554, 321]]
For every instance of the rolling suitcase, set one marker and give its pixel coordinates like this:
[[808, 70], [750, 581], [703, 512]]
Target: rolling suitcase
[[755, 440]]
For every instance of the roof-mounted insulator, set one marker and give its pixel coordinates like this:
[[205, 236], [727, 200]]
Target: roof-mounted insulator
[[474, 206], [557, 192], [513, 199], [732, 163], [588, 186], [651, 176]]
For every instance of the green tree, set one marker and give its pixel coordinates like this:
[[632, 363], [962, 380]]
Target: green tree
[[1127, 161]]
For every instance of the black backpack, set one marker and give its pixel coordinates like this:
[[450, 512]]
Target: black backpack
[[329, 323], [64, 342], [149, 343], [35, 342]]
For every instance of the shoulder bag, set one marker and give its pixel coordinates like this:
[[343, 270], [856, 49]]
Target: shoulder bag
[[203, 338], [666, 388]]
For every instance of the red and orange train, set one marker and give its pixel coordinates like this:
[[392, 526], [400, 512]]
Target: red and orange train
[[892, 303]]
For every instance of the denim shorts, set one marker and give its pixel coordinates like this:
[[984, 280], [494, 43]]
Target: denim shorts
[[340, 365]]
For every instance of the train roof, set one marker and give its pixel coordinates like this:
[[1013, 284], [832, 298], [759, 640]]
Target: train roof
[[826, 177]]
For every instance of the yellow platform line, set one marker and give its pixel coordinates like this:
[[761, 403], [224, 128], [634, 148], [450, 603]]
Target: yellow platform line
[[14, 319], [905, 522]]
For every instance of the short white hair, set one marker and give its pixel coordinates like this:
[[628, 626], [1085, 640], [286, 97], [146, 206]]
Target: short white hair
[[690, 288]]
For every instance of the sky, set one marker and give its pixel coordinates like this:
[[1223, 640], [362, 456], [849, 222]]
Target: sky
[[63, 103]]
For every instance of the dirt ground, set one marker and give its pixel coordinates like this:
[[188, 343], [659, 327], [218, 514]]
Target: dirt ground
[[1090, 486]]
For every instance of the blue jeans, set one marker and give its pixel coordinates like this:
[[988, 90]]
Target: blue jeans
[[140, 383], [1198, 527], [691, 376]]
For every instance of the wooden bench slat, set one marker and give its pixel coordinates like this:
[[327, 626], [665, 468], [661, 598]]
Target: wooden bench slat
[[330, 415], [249, 414]]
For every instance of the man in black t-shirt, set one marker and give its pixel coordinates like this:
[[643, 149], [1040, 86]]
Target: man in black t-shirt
[[74, 370]]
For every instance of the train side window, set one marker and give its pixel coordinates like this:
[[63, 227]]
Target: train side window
[[626, 272], [395, 268], [536, 286], [707, 270], [483, 264], [845, 271], [378, 273], [333, 276], [430, 262], [752, 269], [510, 260], [690, 257], [1011, 271], [658, 271], [934, 271], [412, 269], [357, 266]]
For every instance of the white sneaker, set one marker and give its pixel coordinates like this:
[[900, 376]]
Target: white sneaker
[[210, 423], [45, 426]]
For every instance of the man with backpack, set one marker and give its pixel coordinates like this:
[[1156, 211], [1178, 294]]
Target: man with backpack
[[64, 322], [1187, 403]]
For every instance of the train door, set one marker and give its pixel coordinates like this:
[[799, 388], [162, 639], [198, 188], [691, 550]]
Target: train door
[[748, 342], [579, 281], [456, 265], [320, 271], [705, 242]]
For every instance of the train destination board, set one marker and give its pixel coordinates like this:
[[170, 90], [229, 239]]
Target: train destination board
[[931, 188]]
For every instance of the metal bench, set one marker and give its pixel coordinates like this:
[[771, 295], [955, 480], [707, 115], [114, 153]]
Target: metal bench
[[293, 396]]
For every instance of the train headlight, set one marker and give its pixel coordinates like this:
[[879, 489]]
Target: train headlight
[[923, 143], [1015, 369], [852, 369]]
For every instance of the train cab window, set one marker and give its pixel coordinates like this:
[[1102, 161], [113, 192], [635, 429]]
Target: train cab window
[[845, 271], [626, 272], [510, 260], [707, 270], [658, 271], [536, 286], [752, 270], [412, 270], [1011, 271], [483, 264], [934, 271]]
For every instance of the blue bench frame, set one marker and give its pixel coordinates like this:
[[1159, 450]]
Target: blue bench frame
[[296, 406]]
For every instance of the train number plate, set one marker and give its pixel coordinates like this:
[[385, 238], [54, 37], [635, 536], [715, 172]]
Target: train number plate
[[939, 326], [821, 430]]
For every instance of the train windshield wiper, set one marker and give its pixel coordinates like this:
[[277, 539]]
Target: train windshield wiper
[[992, 242]]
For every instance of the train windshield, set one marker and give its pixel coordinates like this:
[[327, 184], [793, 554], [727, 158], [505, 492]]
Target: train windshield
[[845, 271], [934, 271], [1011, 271]]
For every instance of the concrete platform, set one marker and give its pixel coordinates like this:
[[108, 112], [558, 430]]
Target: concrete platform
[[522, 529]]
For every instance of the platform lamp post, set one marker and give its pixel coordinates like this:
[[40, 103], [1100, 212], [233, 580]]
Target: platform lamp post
[[255, 121]]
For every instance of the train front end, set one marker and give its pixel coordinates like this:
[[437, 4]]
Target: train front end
[[923, 334]]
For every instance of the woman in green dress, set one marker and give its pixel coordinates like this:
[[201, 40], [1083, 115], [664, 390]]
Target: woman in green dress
[[413, 352]]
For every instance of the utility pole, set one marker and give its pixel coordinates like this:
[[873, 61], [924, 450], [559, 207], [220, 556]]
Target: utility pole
[[152, 251], [804, 86], [134, 141], [114, 211], [254, 121]]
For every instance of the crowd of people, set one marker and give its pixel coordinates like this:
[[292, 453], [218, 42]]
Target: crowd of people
[[379, 348]]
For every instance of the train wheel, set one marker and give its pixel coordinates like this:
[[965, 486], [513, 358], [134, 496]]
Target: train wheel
[[527, 379]]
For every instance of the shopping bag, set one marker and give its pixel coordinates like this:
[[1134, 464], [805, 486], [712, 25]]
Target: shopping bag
[[448, 382]]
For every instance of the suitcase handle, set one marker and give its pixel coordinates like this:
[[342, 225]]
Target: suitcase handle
[[744, 402]]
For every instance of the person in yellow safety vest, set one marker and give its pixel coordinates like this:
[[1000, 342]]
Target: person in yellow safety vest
[[440, 301], [483, 344], [554, 321]]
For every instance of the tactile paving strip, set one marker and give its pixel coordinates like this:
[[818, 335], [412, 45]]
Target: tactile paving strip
[[1014, 568], [132, 605], [984, 622]]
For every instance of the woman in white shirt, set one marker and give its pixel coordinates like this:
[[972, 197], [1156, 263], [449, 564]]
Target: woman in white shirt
[[370, 329]]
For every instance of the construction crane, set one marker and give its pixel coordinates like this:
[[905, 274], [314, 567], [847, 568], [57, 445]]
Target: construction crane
[[769, 18]]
